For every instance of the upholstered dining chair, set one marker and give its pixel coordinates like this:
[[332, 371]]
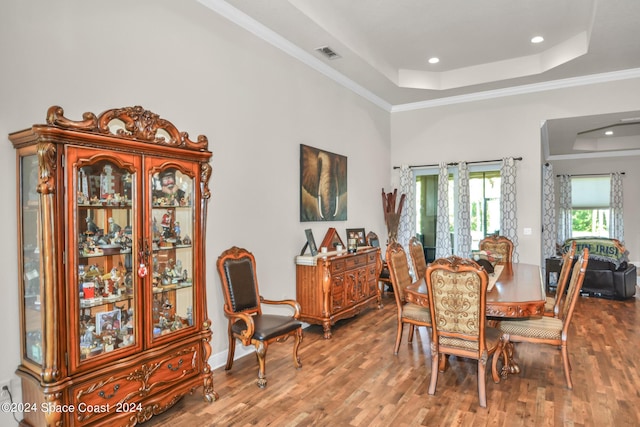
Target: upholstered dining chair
[[383, 277], [418, 260], [457, 290], [500, 245], [408, 313], [553, 305], [243, 309], [551, 330]]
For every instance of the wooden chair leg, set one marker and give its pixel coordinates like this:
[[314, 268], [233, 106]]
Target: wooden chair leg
[[296, 345], [482, 391], [494, 364], [231, 352], [398, 336], [261, 353], [411, 330], [566, 365], [434, 370]]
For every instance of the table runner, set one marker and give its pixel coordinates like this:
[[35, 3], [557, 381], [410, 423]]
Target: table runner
[[493, 277]]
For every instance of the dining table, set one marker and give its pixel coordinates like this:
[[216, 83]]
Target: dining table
[[515, 290]]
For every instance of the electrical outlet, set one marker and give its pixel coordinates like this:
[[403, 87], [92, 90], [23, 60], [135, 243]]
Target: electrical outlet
[[4, 387]]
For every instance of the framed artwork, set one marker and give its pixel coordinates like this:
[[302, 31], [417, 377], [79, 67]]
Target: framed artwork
[[358, 234], [323, 185], [108, 321], [332, 240]]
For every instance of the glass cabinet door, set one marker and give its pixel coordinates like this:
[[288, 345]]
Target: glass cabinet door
[[172, 227], [104, 215], [30, 259]]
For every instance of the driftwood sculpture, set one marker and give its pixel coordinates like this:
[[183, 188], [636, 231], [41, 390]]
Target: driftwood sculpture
[[391, 216]]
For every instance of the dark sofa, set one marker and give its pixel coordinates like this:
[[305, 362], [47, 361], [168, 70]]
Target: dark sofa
[[603, 279], [609, 274]]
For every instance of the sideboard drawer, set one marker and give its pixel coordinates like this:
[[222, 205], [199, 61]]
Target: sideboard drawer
[[356, 261]]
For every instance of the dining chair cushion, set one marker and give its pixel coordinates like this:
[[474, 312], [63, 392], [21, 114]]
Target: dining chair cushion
[[549, 304], [267, 326], [539, 327], [492, 337], [416, 312]]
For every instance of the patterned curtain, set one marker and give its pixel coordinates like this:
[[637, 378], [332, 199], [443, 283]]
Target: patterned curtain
[[443, 235], [549, 230], [407, 227], [616, 224], [564, 217], [508, 212], [463, 225]]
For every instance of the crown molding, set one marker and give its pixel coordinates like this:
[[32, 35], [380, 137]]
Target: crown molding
[[596, 155], [259, 30], [521, 90]]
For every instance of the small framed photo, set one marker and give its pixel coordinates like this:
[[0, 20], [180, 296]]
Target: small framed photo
[[358, 234], [108, 321], [311, 242]]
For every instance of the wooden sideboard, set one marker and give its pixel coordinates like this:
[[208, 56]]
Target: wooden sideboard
[[337, 285]]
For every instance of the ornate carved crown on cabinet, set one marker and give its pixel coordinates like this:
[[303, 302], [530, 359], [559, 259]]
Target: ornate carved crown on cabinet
[[112, 212]]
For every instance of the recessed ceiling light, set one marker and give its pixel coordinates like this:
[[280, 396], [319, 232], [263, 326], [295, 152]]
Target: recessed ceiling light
[[434, 60], [609, 132], [537, 39]]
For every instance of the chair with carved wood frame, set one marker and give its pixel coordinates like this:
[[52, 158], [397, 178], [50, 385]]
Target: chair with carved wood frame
[[457, 290], [243, 309], [500, 245], [408, 313], [418, 260], [553, 306], [552, 330], [383, 277]]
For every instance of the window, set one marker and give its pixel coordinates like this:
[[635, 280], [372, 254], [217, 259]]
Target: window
[[590, 202], [484, 192]]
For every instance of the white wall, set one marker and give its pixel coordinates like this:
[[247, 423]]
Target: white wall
[[510, 126], [255, 104]]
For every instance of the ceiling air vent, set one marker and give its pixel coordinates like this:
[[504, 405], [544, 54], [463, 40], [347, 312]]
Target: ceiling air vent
[[327, 52]]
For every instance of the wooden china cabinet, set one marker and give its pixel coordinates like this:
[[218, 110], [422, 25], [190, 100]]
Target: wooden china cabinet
[[111, 232]]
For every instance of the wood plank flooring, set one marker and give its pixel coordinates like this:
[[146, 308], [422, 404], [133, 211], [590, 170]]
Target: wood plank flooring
[[354, 379]]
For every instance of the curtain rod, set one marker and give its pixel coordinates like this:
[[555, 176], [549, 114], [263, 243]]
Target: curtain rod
[[590, 174], [455, 163]]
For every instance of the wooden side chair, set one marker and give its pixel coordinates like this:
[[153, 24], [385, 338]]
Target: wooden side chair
[[552, 306], [408, 313], [457, 300], [243, 308], [418, 260], [552, 330], [383, 277], [498, 245]]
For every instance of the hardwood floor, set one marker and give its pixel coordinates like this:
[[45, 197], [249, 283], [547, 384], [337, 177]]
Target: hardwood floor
[[355, 380]]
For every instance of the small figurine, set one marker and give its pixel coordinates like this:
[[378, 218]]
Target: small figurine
[[166, 224], [87, 338], [92, 228], [114, 228], [82, 198]]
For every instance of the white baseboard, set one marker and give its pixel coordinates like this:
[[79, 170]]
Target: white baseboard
[[220, 359]]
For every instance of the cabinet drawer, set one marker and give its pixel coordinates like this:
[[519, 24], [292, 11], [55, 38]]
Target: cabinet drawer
[[98, 398], [337, 265], [371, 257], [175, 367], [120, 390], [356, 261]]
